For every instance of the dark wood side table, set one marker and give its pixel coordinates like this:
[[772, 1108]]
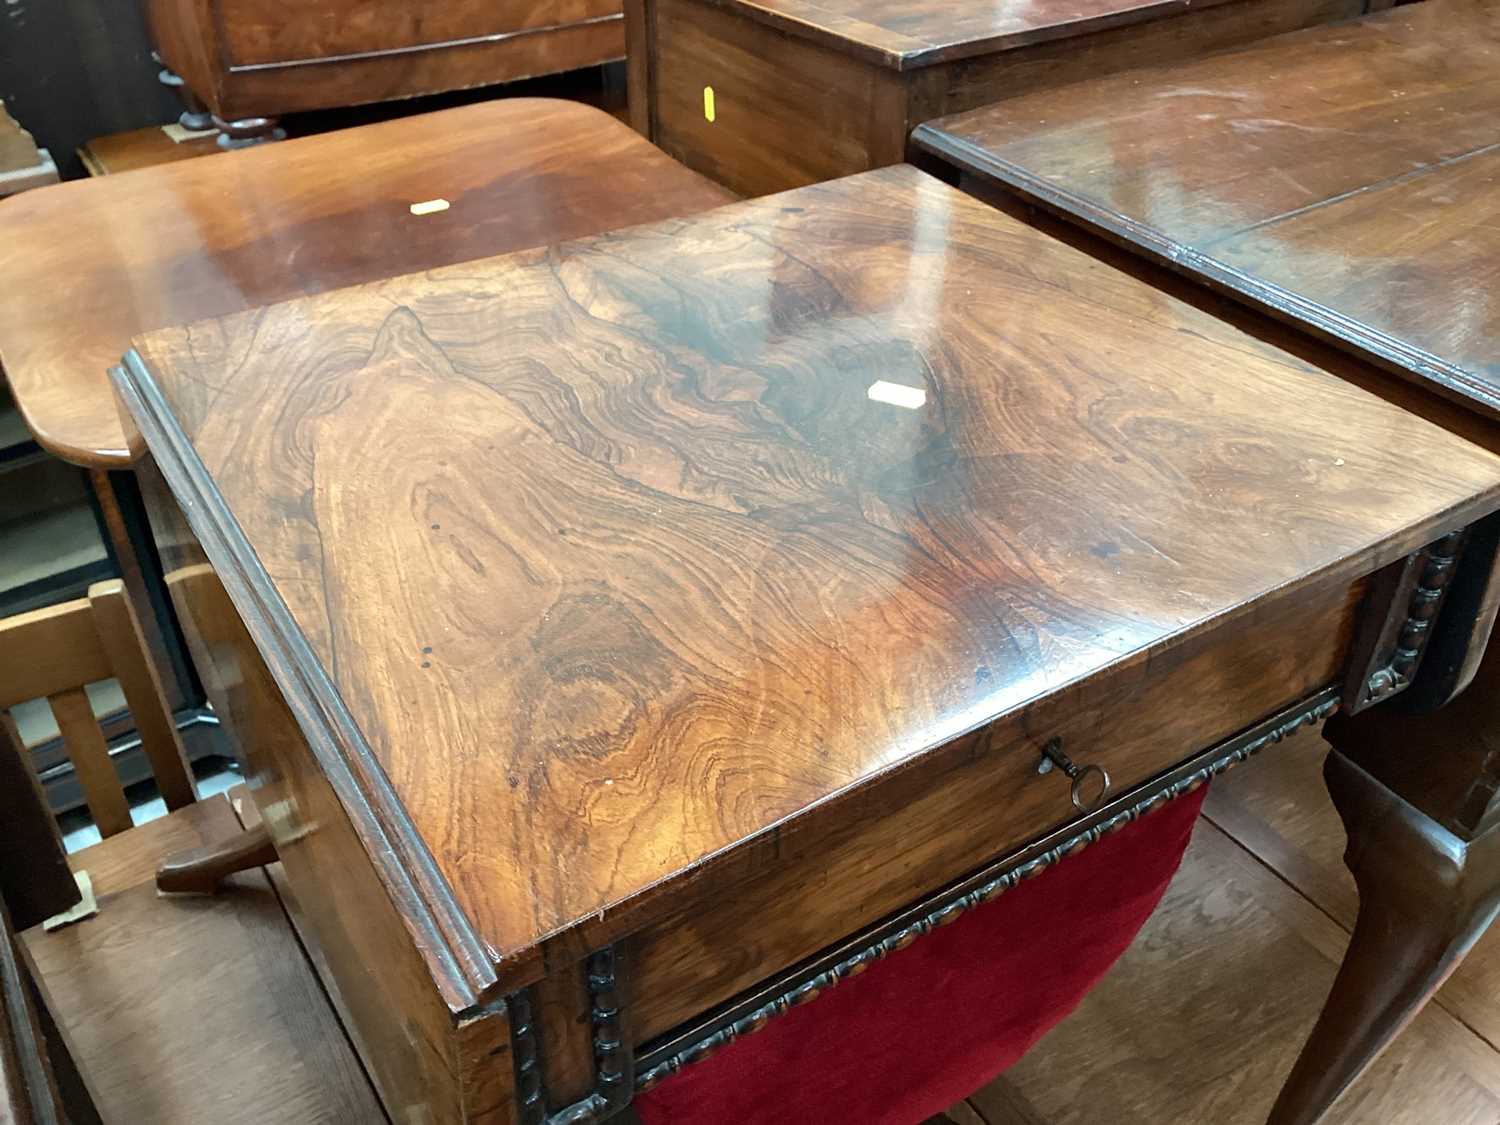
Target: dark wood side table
[[765, 95], [240, 64], [1344, 180], [90, 263], [635, 638]]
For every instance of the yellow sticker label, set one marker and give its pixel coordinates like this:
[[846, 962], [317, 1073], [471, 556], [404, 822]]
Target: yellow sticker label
[[708, 102]]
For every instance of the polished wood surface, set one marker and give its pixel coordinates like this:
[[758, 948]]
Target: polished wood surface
[[1344, 178], [145, 250], [808, 92], [249, 59], [652, 576], [185, 1010], [903, 35], [888, 848]]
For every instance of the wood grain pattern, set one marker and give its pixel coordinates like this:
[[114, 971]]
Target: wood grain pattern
[[1425, 897], [772, 91], [126, 254], [778, 81], [1375, 227], [162, 1032], [368, 959], [990, 803], [48, 650], [257, 58], [903, 35], [601, 624], [270, 32], [89, 754], [459, 65]]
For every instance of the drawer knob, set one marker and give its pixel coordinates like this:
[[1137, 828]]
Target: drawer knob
[[1090, 783]]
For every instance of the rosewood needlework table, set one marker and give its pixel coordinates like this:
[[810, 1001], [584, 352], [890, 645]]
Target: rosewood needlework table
[[629, 637], [1346, 181]]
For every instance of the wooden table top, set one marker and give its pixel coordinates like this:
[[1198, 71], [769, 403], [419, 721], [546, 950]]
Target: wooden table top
[[904, 35], [1344, 177], [620, 554], [89, 264]]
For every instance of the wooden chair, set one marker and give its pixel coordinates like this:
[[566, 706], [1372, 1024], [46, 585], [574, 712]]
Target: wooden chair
[[174, 1009], [28, 1090], [39, 1083], [53, 653]]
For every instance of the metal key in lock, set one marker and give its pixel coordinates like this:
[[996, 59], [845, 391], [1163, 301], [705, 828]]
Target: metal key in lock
[[1090, 783]]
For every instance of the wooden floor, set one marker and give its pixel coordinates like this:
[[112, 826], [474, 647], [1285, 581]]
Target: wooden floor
[[1201, 1019]]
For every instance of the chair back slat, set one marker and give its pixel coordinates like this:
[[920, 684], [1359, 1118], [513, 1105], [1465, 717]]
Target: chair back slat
[[90, 755], [52, 653], [49, 650], [124, 642]]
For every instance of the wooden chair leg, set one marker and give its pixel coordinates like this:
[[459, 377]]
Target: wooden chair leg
[[123, 512], [1426, 895], [200, 870]]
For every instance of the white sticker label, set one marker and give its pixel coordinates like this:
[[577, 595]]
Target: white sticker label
[[429, 207], [897, 394]]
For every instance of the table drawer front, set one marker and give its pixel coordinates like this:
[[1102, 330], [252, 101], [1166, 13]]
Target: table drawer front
[[897, 847], [278, 32]]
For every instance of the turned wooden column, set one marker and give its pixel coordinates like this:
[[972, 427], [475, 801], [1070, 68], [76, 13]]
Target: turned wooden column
[[1416, 782]]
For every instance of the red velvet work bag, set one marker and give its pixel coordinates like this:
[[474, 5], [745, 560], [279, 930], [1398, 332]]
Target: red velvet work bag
[[933, 1022]]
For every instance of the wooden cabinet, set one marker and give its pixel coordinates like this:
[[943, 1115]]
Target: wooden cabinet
[[802, 93], [248, 61]]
